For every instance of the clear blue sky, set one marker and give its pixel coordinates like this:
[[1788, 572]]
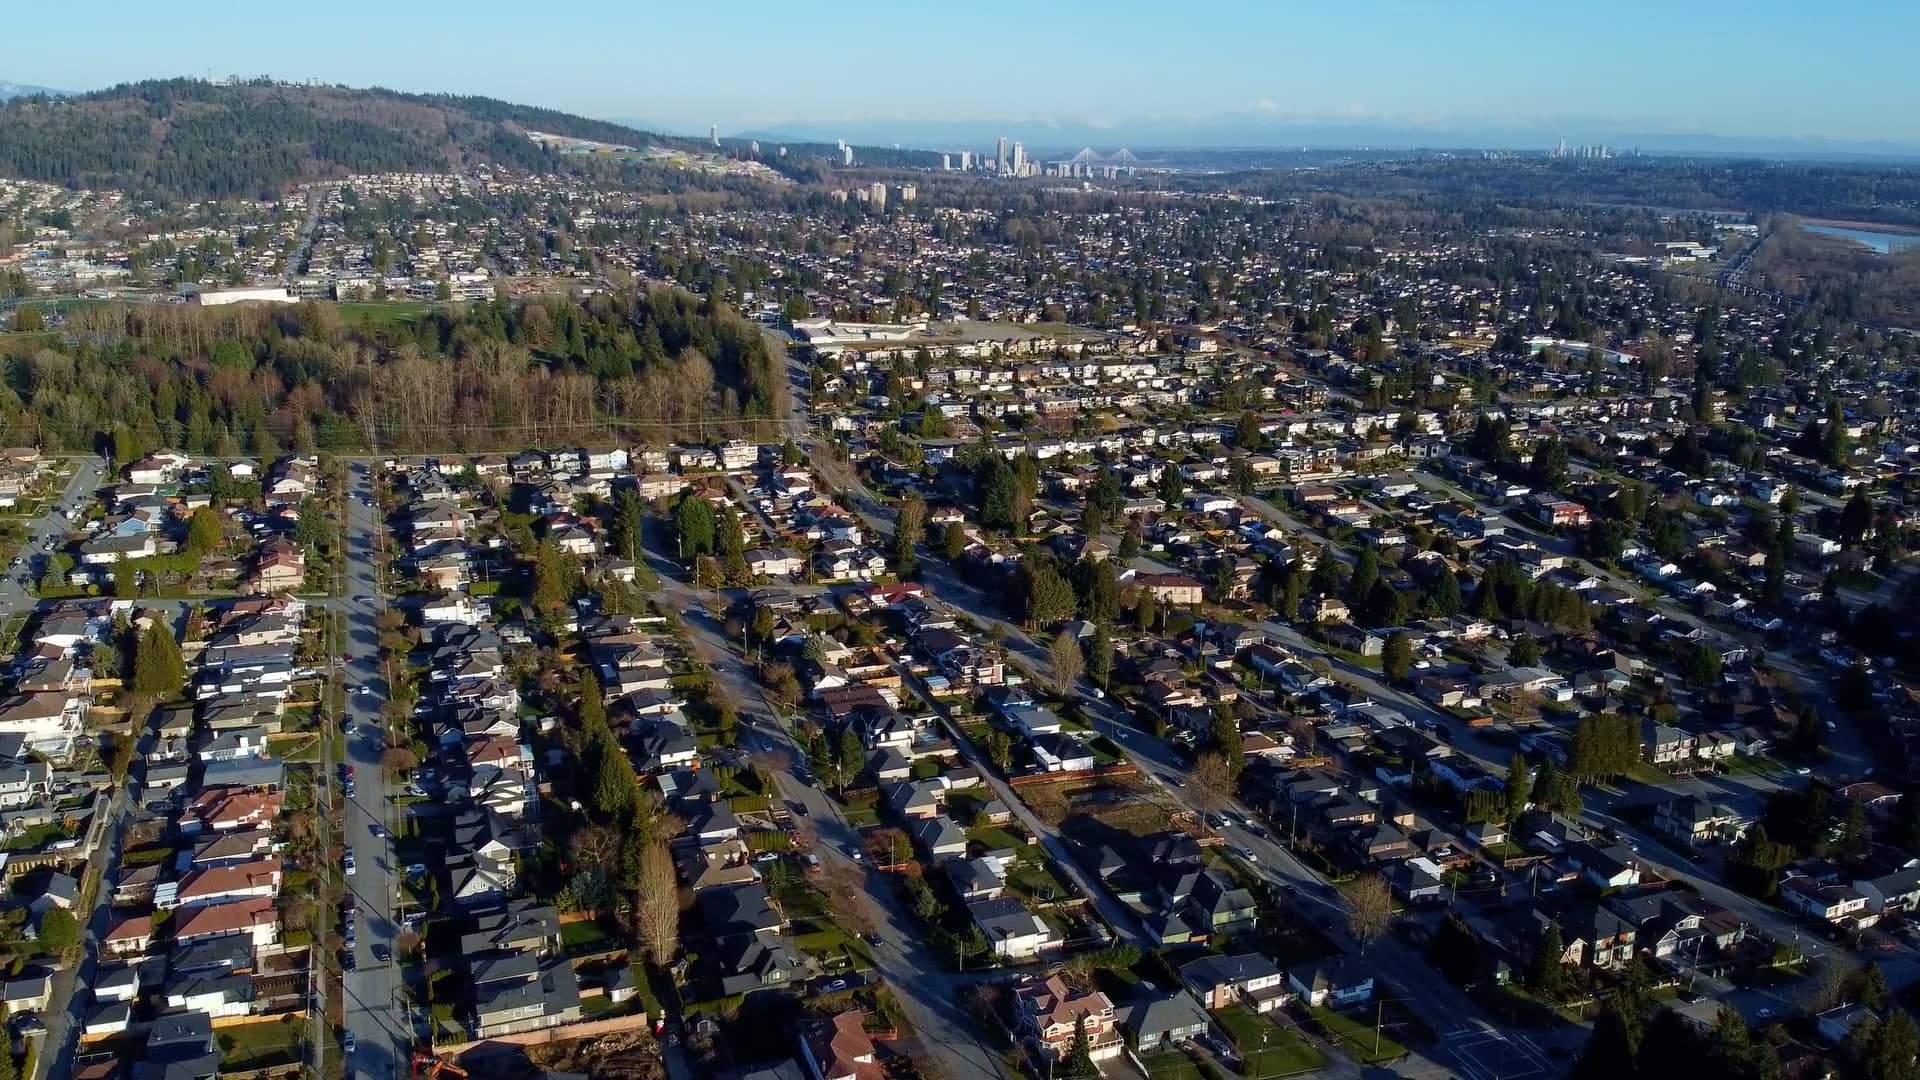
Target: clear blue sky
[[1760, 67]]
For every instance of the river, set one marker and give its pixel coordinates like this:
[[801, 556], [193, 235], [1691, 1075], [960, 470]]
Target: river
[[1882, 243]]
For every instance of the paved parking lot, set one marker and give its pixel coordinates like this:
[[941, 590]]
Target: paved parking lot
[[1484, 1054]]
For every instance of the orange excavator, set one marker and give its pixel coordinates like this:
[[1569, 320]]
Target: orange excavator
[[428, 1065]]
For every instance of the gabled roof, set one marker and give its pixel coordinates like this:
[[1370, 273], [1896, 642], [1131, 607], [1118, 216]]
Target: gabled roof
[[1212, 971]]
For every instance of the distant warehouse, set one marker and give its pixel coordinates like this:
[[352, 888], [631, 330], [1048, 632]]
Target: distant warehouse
[[262, 295]]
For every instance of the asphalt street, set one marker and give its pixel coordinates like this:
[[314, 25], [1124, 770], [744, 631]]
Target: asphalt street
[[44, 533], [60, 1042], [932, 997], [373, 1012]]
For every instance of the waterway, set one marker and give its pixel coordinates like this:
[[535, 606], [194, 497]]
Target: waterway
[[1882, 243]]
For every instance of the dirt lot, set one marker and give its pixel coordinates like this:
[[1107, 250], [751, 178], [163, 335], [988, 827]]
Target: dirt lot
[[608, 1057], [1123, 803]]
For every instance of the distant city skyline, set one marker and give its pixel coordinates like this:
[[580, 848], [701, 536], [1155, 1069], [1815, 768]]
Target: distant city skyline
[[1237, 73]]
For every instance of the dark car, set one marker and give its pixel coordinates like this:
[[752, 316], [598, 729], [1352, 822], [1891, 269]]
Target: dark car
[[381, 952], [27, 1023]]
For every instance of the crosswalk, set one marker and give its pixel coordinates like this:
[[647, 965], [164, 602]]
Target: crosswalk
[[1482, 1053]]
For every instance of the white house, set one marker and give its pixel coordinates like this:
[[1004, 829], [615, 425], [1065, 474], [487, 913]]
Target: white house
[[1013, 932]]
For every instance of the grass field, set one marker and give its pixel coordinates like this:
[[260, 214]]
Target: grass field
[[829, 944], [1269, 1049], [1749, 765], [259, 1045], [1356, 1037], [1170, 1065], [1647, 774], [584, 936], [994, 837]]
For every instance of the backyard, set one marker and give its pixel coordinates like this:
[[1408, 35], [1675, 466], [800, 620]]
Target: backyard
[[259, 1045]]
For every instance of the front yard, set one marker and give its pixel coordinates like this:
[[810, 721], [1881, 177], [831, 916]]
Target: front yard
[[1267, 1048], [1356, 1036]]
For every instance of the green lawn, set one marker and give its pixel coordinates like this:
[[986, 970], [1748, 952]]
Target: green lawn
[[1269, 1049], [259, 1045], [962, 803], [1747, 765], [304, 748], [800, 900], [1355, 1036], [584, 936], [1037, 880], [1648, 774], [831, 945], [1170, 1065], [35, 835], [995, 837], [1292, 1059]]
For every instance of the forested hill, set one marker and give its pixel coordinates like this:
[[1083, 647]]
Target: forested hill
[[183, 138]]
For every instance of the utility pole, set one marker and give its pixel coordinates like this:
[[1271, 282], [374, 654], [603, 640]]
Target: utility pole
[[1379, 1013]]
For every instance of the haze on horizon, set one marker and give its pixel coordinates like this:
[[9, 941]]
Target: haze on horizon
[[1238, 73]]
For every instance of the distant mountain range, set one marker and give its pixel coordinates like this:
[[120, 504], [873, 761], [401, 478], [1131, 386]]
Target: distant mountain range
[[1251, 130], [195, 139], [11, 90]]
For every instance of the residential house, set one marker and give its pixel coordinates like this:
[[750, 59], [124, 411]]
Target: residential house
[[1013, 932], [1249, 979], [1604, 937], [1053, 1014], [1336, 982], [1891, 894], [1834, 903], [1609, 867], [840, 1048], [1696, 821], [1163, 1022]]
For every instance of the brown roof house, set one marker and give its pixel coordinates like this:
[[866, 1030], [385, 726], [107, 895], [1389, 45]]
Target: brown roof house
[[278, 567], [840, 1049], [1051, 1012]]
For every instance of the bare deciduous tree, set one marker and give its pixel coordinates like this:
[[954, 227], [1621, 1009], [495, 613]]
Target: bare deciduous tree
[[1211, 779], [1068, 661], [659, 910], [1368, 904], [594, 847], [843, 884]]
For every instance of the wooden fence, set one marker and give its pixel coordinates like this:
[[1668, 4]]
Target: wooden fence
[[583, 1029], [1098, 772]]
